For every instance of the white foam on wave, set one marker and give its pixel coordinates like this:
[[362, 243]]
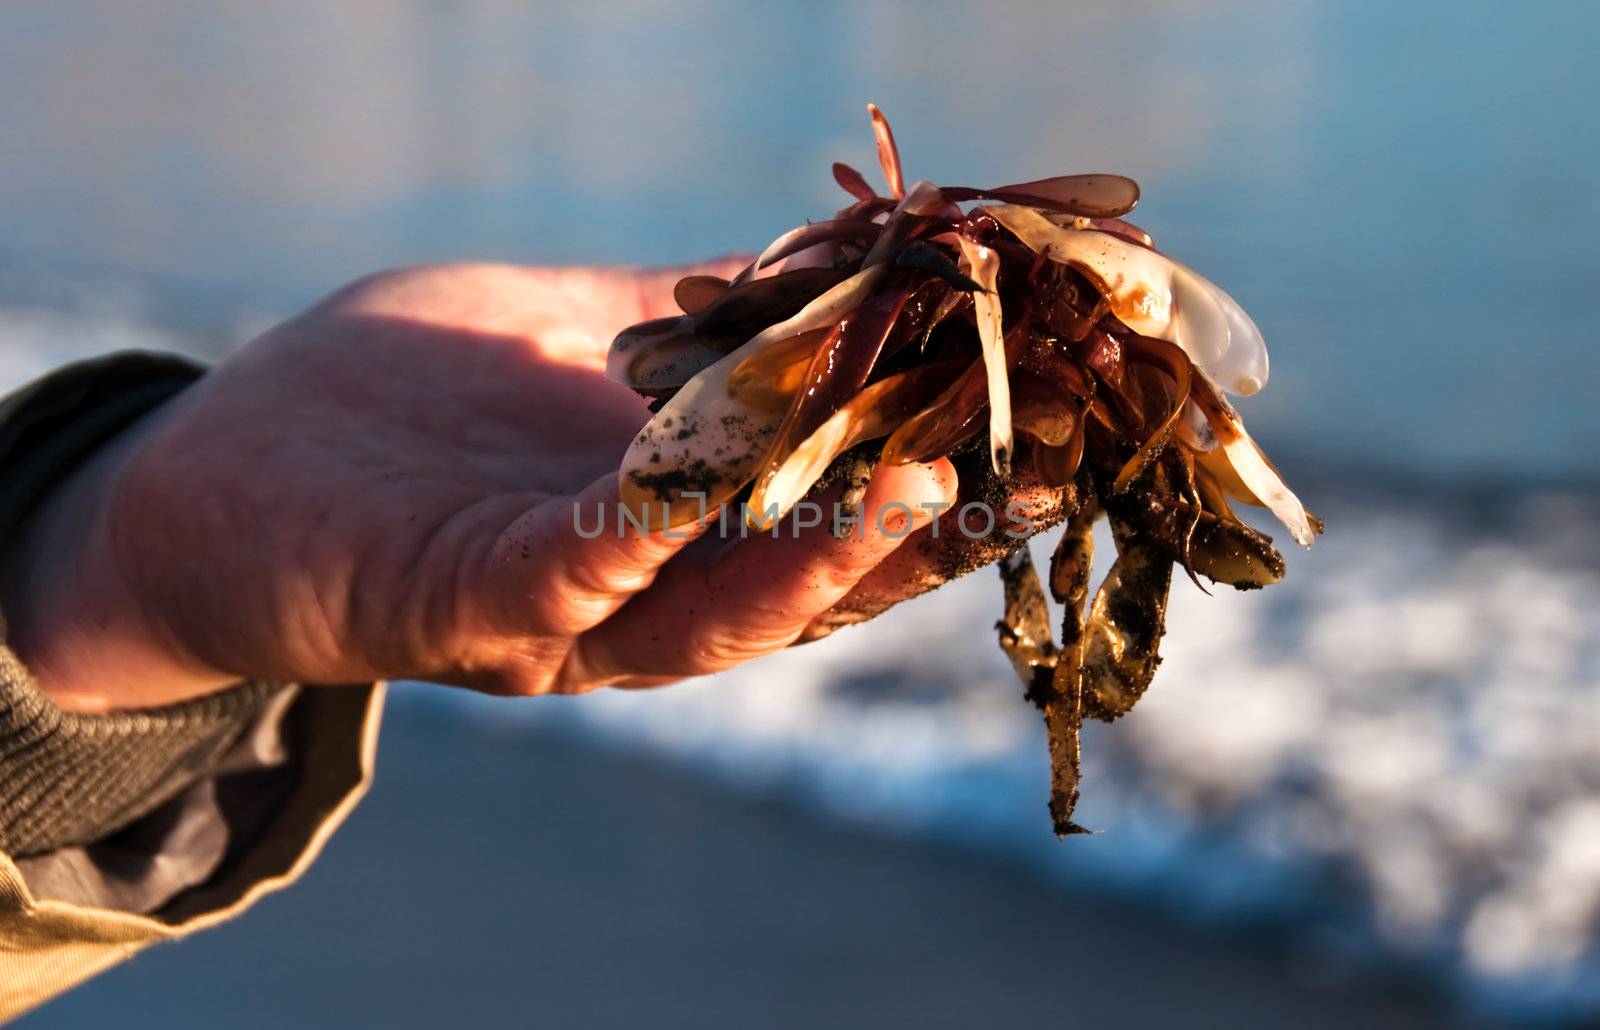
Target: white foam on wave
[[1399, 746], [35, 340]]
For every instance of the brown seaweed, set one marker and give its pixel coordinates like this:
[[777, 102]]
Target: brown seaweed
[[1036, 312]]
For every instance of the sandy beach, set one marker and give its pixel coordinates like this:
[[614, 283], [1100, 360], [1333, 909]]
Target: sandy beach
[[525, 879]]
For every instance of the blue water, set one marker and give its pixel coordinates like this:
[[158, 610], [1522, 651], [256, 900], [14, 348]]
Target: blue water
[[1403, 195]]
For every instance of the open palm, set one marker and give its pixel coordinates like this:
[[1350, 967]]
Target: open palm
[[384, 487]]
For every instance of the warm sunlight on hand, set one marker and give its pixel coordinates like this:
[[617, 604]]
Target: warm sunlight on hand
[[383, 487]]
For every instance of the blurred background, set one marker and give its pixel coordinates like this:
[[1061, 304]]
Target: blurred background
[[1371, 794]]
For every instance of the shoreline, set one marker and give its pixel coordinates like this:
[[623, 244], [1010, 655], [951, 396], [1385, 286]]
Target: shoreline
[[516, 875]]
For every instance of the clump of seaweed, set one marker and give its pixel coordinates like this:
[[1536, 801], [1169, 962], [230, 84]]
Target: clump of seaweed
[[1034, 315]]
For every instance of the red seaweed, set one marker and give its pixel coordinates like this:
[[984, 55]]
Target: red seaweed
[[853, 182], [1043, 317]]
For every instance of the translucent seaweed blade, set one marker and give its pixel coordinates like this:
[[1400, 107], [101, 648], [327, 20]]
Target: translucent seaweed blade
[[1239, 465], [944, 423], [1149, 292], [853, 182], [821, 312], [762, 302], [770, 379], [1263, 481], [698, 451], [804, 236], [1172, 360], [888, 153], [1243, 368], [983, 266], [838, 371], [1122, 638], [1127, 230], [661, 355], [694, 293], [1087, 196], [706, 443], [872, 413], [770, 253]]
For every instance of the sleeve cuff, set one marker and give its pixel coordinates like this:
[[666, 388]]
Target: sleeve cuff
[[67, 779], [146, 825], [70, 781]]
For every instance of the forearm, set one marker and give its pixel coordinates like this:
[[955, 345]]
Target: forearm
[[73, 619], [74, 644]]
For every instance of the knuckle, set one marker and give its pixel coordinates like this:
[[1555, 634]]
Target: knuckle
[[724, 646], [577, 674], [593, 575], [512, 682]]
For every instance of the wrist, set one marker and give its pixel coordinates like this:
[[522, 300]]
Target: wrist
[[75, 617]]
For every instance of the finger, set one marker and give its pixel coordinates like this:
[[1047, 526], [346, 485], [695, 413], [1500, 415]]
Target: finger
[[566, 565], [962, 541], [708, 612]]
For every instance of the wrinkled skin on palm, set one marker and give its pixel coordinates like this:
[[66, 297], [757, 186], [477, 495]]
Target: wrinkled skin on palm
[[1028, 321]]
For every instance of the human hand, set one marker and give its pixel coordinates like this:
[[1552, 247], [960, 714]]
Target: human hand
[[383, 487]]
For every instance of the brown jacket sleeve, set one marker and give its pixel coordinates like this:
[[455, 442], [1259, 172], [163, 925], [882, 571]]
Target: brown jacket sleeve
[[121, 830]]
